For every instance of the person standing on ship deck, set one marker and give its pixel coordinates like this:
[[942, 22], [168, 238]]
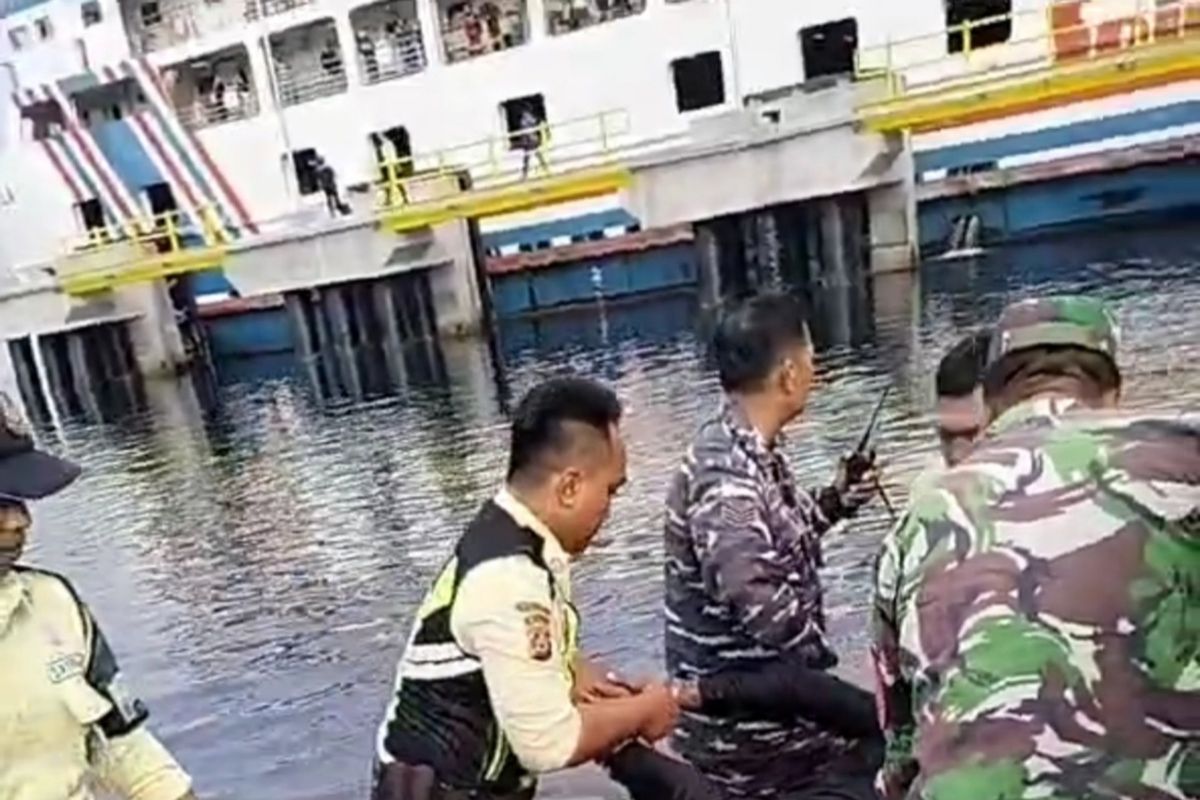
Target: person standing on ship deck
[[66, 724], [743, 550]]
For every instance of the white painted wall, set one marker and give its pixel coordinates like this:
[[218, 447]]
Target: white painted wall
[[620, 64]]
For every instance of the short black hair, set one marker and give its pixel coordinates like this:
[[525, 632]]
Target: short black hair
[[962, 369], [1017, 375], [752, 335], [543, 421]]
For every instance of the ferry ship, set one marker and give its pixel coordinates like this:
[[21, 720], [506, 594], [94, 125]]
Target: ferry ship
[[249, 116]]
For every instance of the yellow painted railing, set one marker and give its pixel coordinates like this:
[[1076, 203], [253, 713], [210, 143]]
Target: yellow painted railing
[[144, 249], [541, 165], [1055, 35]]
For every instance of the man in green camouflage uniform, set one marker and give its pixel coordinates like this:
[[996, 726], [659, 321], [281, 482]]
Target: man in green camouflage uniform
[[1037, 610]]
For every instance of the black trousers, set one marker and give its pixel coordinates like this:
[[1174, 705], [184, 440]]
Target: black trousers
[[649, 775]]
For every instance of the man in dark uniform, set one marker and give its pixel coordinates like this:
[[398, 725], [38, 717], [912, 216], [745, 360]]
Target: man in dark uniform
[[492, 690], [743, 548]]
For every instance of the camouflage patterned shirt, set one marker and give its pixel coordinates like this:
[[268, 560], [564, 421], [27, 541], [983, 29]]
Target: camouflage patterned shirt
[[1037, 614], [743, 550]]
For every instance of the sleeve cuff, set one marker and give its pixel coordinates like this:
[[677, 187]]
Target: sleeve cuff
[[139, 767]]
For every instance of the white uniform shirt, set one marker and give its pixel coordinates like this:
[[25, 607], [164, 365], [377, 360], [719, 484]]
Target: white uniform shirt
[[51, 746], [505, 615]]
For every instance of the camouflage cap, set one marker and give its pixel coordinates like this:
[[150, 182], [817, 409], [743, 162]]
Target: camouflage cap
[[1071, 320]]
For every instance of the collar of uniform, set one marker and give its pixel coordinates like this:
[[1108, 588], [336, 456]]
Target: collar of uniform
[[555, 556], [1039, 410], [745, 434], [12, 594]]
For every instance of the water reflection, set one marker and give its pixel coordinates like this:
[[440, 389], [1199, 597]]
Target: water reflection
[[256, 559]]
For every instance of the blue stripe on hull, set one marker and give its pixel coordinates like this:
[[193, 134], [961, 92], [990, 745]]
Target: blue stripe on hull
[[121, 148], [1022, 211], [532, 235], [962, 155], [620, 275]]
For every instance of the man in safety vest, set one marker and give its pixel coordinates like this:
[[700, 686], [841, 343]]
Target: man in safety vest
[[491, 689]]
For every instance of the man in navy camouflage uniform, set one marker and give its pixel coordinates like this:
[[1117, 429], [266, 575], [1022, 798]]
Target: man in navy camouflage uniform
[[743, 549]]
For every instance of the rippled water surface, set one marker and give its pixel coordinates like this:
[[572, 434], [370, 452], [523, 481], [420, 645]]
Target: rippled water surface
[[256, 565]]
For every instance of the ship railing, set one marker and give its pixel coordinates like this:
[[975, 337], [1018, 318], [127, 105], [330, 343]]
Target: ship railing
[[405, 56], [176, 24], [542, 151], [208, 111], [144, 248], [1039, 38], [314, 83], [257, 9]]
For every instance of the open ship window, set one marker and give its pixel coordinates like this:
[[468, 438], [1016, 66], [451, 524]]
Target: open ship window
[[159, 24], [91, 14], [473, 28], [18, 37], [387, 40], [522, 118], [44, 28], [42, 120], [564, 16], [994, 31], [308, 62], [699, 81], [108, 103], [828, 49], [215, 88]]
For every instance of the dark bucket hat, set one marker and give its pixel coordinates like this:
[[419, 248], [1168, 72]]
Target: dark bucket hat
[[27, 473]]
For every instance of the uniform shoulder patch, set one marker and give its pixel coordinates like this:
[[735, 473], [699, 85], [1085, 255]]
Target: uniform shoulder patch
[[538, 633]]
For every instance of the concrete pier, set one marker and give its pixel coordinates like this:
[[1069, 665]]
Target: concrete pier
[[366, 338]]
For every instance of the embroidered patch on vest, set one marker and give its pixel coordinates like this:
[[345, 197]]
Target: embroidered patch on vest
[[537, 631], [65, 667]]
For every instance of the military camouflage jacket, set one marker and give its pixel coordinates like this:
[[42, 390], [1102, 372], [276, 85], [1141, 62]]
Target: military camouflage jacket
[[1037, 615], [743, 549]]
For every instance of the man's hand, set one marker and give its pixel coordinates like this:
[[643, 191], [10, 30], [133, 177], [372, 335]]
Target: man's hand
[[661, 711], [593, 683], [857, 481]]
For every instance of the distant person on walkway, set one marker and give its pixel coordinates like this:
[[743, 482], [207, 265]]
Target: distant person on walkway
[[66, 721], [743, 554], [1035, 611], [492, 689], [327, 180], [530, 138]]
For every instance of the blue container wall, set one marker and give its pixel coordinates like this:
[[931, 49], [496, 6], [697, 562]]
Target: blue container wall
[[620, 275], [1023, 211], [253, 333]]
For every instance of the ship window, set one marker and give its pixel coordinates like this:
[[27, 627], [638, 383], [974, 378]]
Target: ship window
[[91, 13], [91, 214], [699, 81], [828, 49], [19, 37], [392, 145], [966, 12], [44, 28], [212, 89], [475, 27], [563, 16], [520, 115], [387, 39], [308, 62], [111, 101], [305, 162], [45, 119]]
